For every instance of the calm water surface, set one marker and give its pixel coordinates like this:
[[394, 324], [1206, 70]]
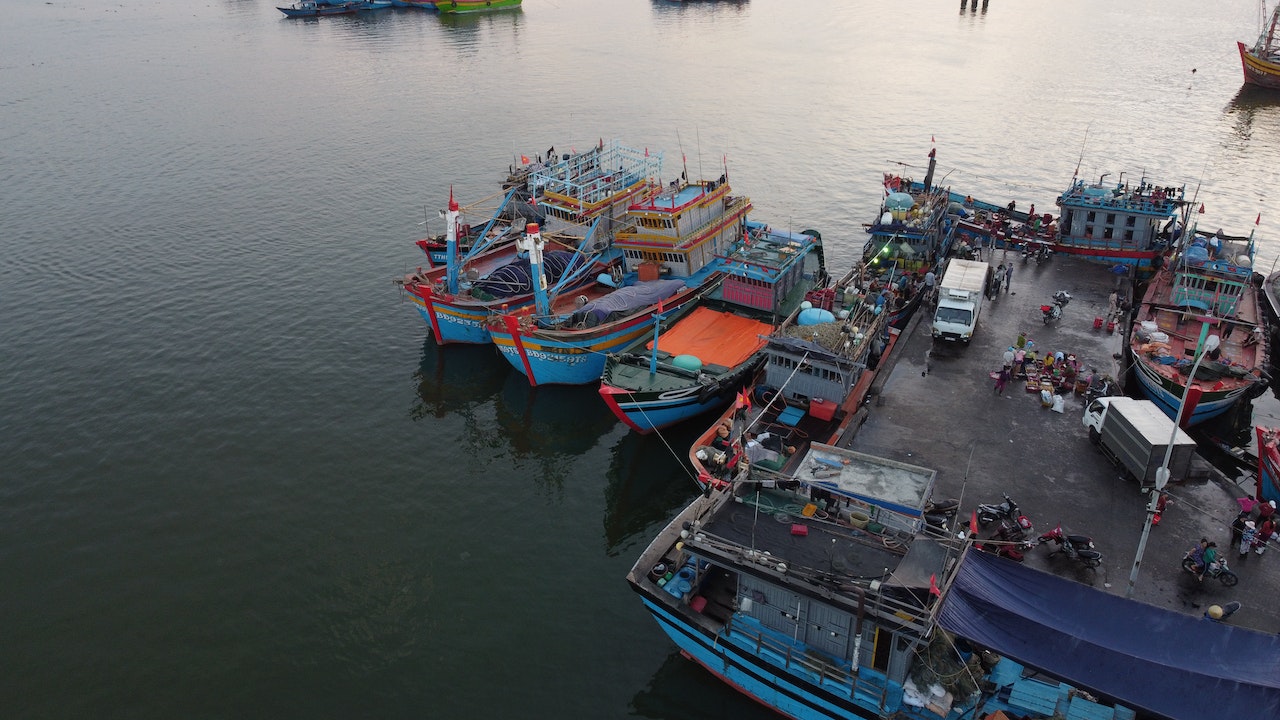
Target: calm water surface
[[239, 480]]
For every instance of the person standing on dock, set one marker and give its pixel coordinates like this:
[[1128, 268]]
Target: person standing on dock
[[1246, 537], [1002, 379], [1008, 277]]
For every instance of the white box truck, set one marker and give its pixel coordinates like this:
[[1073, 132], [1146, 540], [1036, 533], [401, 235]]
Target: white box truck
[[1135, 434], [960, 296]]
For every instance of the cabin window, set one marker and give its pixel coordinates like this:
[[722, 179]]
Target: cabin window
[[1088, 230], [1108, 233], [1090, 216], [1129, 221], [1128, 235], [1111, 218]]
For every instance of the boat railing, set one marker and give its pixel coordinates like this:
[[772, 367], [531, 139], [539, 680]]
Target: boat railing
[[833, 674], [736, 205]]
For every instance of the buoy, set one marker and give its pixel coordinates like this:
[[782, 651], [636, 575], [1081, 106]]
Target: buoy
[[687, 362]]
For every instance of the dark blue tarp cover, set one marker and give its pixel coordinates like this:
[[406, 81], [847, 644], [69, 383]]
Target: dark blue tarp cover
[[1153, 660]]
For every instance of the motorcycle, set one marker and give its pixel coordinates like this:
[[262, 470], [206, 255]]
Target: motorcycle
[[1014, 531], [1076, 547], [1217, 569], [1099, 386], [941, 513], [1037, 250], [1054, 310]]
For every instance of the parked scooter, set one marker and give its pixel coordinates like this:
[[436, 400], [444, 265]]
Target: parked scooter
[[1013, 533], [941, 514], [1036, 250], [1054, 310], [1099, 386], [1217, 569], [1076, 547]]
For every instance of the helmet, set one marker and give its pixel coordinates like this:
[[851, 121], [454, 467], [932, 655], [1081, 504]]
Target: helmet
[[1215, 612]]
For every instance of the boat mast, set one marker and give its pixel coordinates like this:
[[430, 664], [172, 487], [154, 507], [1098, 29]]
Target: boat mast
[[451, 243], [532, 243]]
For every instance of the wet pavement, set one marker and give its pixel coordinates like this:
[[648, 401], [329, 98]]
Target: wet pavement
[[937, 407]]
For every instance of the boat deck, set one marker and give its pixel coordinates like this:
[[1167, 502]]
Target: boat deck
[[937, 409]]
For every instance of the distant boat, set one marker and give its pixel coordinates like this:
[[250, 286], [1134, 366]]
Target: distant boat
[[1207, 289], [319, 8], [458, 7], [697, 360], [1261, 62], [419, 4], [674, 245]]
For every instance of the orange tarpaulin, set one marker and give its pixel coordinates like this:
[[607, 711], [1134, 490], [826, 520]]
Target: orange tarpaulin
[[716, 338]]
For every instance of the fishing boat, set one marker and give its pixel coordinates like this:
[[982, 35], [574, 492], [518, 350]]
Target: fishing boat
[[318, 8], [1261, 61], [1207, 289], [816, 374], [419, 4], [583, 197], [826, 595], [699, 359], [673, 244], [519, 210], [458, 7], [311, 8], [912, 234], [1121, 223]]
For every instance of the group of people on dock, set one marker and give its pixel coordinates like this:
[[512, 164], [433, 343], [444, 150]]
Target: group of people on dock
[[1056, 373]]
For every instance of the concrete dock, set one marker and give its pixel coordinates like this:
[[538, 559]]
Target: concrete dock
[[936, 406]]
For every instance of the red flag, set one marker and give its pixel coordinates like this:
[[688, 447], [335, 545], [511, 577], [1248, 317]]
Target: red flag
[[646, 152], [933, 152], [1201, 208], [933, 585], [973, 523], [524, 159], [932, 139], [1259, 220]]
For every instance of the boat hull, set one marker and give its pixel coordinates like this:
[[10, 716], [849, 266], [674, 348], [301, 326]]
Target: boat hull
[[1258, 71], [648, 410], [1268, 464], [1168, 395], [571, 357]]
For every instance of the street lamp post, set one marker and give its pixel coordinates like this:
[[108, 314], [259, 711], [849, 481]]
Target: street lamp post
[[1207, 344]]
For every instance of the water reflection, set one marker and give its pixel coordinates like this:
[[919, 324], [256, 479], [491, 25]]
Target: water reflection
[[1250, 105], [456, 379], [551, 422], [649, 479], [682, 689]]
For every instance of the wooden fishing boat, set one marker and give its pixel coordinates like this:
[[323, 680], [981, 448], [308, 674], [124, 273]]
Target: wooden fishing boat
[[673, 244], [1207, 289], [699, 359], [583, 197], [459, 7], [418, 4], [1261, 61], [320, 8], [1268, 464], [1125, 223]]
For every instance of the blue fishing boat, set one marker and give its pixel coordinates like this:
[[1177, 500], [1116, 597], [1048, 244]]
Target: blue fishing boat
[[700, 358], [583, 197], [1268, 464], [912, 235], [673, 244], [1208, 290], [1121, 223], [319, 8], [823, 593]]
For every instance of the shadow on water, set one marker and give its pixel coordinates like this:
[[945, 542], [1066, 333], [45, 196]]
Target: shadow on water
[[649, 479], [682, 689], [551, 421], [456, 379]]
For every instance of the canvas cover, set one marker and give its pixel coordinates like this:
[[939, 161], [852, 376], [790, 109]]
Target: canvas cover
[[1157, 661], [626, 300]]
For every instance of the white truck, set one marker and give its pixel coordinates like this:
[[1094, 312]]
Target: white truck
[[1135, 434], [960, 296]]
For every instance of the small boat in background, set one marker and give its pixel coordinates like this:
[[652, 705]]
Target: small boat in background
[[1261, 61], [459, 7], [1206, 291], [419, 4], [319, 8]]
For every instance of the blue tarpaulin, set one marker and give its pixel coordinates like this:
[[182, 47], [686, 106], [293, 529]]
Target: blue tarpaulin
[[1156, 661]]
